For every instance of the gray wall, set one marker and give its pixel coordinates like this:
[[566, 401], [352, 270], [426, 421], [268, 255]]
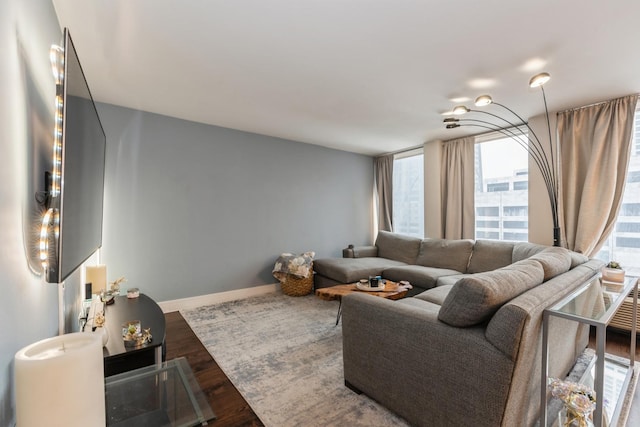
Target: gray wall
[[190, 209], [193, 209], [28, 306]]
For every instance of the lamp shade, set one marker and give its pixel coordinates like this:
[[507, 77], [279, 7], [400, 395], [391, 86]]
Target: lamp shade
[[460, 109], [60, 381], [539, 79], [97, 276], [483, 100]]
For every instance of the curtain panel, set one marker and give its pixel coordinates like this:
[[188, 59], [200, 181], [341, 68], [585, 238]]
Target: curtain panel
[[383, 169], [458, 189], [595, 144]]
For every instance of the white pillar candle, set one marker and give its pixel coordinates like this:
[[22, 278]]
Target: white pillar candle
[[97, 276], [60, 381]]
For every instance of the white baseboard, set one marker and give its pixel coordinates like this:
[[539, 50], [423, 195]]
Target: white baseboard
[[193, 302]]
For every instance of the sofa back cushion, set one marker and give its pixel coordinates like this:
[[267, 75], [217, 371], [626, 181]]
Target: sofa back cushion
[[554, 261], [490, 255], [523, 250], [445, 253], [474, 299], [577, 259], [397, 247]]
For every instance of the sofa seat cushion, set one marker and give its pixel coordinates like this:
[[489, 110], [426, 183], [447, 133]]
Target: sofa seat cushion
[[349, 270], [417, 275], [425, 306], [436, 295], [474, 299], [490, 255], [445, 253], [450, 280], [398, 247]]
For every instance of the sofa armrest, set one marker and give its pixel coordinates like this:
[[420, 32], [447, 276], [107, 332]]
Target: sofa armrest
[[399, 354], [359, 251]]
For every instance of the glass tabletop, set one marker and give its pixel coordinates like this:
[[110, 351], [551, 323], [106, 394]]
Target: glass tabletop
[[595, 303], [157, 395]]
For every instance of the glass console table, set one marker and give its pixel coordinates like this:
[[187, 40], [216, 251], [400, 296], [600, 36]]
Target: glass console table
[[612, 381], [158, 395]]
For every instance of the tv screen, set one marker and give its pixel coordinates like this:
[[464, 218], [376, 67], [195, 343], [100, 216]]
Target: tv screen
[[82, 171]]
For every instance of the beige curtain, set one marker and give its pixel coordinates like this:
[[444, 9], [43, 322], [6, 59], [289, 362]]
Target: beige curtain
[[384, 186], [595, 144], [457, 189]]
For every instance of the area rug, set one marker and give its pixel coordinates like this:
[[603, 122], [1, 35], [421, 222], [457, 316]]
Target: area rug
[[284, 355]]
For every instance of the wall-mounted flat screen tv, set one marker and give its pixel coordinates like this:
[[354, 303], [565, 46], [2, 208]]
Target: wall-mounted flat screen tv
[[82, 172]]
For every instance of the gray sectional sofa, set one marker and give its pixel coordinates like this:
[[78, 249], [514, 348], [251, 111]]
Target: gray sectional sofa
[[466, 349]]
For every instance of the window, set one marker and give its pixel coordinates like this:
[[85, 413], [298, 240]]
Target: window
[[515, 211], [487, 211], [498, 186], [634, 176], [628, 227], [501, 194], [521, 185], [623, 245], [488, 224], [408, 193], [516, 224]]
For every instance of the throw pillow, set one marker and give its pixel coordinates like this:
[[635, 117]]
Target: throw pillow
[[474, 299]]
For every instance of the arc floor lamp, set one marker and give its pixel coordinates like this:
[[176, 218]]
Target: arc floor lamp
[[514, 127]]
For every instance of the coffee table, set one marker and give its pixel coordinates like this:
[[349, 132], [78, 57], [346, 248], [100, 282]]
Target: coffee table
[[392, 290]]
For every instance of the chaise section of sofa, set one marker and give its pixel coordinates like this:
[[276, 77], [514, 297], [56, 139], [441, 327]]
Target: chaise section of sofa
[[390, 250], [397, 257]]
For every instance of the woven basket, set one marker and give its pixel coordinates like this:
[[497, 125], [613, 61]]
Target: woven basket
[[297, 286]]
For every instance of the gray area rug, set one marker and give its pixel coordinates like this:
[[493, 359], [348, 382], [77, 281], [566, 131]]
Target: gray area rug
[[284, 355]]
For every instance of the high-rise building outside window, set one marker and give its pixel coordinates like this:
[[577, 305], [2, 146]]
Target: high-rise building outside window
[[501, 189], [408, 193], [623, 245]]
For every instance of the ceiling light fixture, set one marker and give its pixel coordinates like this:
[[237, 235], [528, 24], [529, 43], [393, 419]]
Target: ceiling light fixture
[[545, 160]]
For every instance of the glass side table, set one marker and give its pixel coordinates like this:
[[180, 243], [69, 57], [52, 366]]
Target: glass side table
[[572, 308], [158, 395]]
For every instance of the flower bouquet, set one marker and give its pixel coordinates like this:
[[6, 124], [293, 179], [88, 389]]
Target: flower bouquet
[[578, 399]]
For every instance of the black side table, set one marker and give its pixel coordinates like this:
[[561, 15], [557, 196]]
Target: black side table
[[117, 357]]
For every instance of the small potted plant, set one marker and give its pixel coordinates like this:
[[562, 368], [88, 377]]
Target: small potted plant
[[613, 272]]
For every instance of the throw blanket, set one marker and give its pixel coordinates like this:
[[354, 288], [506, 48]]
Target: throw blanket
[[296, 265]]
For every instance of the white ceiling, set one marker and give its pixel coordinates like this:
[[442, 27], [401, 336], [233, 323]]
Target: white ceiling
[[368, 76]]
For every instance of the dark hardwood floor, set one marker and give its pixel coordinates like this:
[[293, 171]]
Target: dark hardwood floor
[[229, 406], [232, 410]]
